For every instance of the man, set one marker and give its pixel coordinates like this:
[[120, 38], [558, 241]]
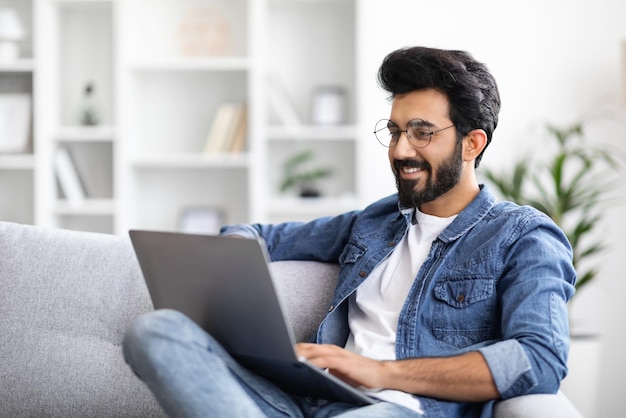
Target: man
[[446, 300]]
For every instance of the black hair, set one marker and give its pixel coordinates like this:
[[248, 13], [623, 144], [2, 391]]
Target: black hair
[[472, 92]]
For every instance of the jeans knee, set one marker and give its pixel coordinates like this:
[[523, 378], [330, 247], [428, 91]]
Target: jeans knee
[[149, 328]]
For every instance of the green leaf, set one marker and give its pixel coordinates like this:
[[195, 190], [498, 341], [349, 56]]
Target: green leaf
[[292, 177]]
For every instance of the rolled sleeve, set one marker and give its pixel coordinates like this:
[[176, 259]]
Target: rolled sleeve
[[538, 282], [242, 230], [510, 367]]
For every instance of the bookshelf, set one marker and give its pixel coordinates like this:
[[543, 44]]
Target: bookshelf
[[75, 45], [308, 57], [159, 72], [18, 158], [170, 93]]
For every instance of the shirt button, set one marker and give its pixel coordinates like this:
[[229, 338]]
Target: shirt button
[[392, 244], [460, 298], [331, 308], [363, 274]]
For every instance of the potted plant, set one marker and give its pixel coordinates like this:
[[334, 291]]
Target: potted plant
[[297, 175]]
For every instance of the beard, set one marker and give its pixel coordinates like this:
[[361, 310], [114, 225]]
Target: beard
[[446, 177]]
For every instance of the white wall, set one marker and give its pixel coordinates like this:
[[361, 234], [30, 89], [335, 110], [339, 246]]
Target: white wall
[[555, 61]]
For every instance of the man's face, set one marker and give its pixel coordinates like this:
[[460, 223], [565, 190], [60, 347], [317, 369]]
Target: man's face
[[424, 174]]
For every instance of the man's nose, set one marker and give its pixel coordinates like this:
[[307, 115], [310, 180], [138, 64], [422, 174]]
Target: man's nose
[[404, 146]]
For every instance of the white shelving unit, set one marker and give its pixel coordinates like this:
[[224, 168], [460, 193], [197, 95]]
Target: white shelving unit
[[161, 69], [17, 169], [180, 60], [304, 55], [75, 49]]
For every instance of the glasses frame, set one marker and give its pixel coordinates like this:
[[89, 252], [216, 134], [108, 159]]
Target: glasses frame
[[413, 141]]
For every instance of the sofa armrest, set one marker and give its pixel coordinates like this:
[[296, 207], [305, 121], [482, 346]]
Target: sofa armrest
[[533, 406]]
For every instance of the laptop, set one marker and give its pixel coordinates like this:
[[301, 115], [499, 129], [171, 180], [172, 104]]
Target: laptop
[[225, 286]]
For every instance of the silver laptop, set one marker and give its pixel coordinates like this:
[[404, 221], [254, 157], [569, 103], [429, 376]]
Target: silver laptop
[[225, 286]]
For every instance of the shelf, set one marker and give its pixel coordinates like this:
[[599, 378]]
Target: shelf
[[19, 66], [287, 2], [92, 207], [191, 160], [194, 64], [70, 2], [85, 134], [17, 162], [312, 206], [308, 132]]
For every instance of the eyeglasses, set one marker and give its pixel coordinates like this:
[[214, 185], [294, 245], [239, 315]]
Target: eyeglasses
[[419, 132]]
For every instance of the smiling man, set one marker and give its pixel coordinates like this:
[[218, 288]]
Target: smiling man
[[447, 300], [419, 182]]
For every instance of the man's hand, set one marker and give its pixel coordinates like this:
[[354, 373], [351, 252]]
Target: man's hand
[[352, 368], [462, 378]]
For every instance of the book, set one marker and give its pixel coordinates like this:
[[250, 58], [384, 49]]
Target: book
[[239, 136], [70, 182], [225, 132], [281, 103], [218, 128]]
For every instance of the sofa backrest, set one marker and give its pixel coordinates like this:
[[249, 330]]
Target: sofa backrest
[[304, 289], [66, 298]]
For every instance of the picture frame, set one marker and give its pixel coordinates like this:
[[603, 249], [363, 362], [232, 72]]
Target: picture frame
[[201, 220]]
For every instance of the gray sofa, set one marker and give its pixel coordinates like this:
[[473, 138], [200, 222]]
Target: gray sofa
[[66, 298]]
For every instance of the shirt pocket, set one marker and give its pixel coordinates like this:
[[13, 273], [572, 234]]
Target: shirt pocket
[[465, 310], [351, 253]]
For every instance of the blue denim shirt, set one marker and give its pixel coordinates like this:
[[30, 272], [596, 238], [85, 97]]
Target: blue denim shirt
[[497, 280]]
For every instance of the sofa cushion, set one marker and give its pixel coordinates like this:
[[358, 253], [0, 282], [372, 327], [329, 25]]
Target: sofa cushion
[[66, 298]]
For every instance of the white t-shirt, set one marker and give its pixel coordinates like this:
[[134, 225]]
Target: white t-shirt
[[374, 308]]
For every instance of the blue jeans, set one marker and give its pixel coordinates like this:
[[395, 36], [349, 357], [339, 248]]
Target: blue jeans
[[191, 375]]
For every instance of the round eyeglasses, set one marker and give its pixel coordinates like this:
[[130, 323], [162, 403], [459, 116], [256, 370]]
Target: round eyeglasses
[[419, 132]]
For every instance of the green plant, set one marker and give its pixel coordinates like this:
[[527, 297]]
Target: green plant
[[570, 187], [295, 176]]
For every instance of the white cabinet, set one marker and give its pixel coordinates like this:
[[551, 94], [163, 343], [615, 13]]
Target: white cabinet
[[159, 71]]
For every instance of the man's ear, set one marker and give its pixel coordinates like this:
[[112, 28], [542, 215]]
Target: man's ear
[[473, 144]]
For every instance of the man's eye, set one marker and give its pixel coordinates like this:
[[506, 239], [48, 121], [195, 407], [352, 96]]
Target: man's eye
[[394, 134], [421, 134]]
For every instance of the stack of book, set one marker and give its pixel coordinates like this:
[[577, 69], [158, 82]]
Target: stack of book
[[228, 130]]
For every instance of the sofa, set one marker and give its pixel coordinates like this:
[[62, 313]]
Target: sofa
[[66, 298]]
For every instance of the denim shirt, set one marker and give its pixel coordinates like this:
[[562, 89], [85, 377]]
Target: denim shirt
[[496, 280]]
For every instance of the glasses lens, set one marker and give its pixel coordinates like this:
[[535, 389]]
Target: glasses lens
[[382, 132], [420, 133]]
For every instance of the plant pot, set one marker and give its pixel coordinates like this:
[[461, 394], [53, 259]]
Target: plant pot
[[309, 192]]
